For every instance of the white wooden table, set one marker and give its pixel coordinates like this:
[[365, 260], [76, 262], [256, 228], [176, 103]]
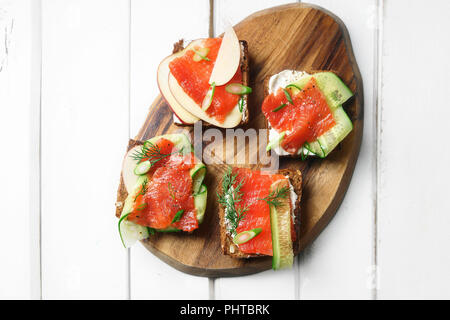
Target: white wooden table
[[76, 80]]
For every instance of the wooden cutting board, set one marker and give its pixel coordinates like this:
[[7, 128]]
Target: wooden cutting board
[[294, 36]]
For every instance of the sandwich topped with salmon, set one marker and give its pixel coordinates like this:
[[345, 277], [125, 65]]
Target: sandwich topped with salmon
[[304, 113], [260, 214], [208, 81], [161, 188]]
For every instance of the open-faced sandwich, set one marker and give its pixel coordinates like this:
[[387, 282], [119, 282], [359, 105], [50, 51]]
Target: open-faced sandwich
[[161, 188], [304, 113], [260, 214], [207, 80]]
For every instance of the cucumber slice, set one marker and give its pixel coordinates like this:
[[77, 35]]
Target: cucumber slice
[[335, 91], [129, 231], [316, 148], [142, 168], [200, 203], [330, 139], [276, 142], [245, 236], [280, 223], [197, 174]]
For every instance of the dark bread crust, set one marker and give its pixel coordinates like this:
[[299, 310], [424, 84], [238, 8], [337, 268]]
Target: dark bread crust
[[244, 65], [122, 193], [295, 178]]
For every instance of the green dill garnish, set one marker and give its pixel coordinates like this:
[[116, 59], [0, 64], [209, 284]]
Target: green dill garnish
[[241, 104], [151, 231], [229, 198], [274, 197], [279, 107], [149, 151], [201, 56], [178, 216], [288, 96], [143, 190]]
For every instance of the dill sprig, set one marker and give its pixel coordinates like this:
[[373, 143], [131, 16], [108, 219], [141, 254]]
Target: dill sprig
[[230, 196], [143, 190], [149, 151], [274, 197]]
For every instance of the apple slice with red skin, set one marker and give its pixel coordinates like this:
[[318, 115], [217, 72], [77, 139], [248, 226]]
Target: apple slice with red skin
[[163, 83]]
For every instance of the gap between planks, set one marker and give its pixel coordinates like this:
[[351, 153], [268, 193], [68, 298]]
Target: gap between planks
[[35, 179], [211, 281], [128, 262], [377, 117]]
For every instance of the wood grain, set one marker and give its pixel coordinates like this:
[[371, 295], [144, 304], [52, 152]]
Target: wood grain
[[295, 36]]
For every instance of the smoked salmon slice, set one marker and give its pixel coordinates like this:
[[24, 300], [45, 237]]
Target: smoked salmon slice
[[254, 187], [304, 120], [168, 192]]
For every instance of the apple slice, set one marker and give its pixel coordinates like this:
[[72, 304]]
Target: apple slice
[[162, 78], [227, 60], [232, 120], [128, 165]]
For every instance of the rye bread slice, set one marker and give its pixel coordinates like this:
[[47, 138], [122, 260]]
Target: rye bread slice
[[295, 177], [244, 66]]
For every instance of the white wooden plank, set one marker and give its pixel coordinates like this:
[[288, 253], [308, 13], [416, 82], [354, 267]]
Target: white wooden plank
[[155, 27], [19, 254], [229, 12], [269, 284], [84, 130], [339, 263], [413, 211]]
